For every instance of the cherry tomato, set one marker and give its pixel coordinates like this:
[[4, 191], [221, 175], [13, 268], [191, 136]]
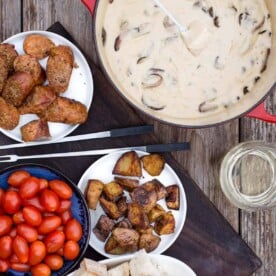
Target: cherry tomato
[[71, 250], [32, 215], [41, 270], [49, 200], [14, 258], [33, 202], [49, 224], [11, 202], [64, 206], [17, 178], [4, 265], [54, 241], [62, 189], [21, 249], [43, 184], [2, 212], [13, 233], [54, 261], [18, 218], [5, 247], [73, 230], [29, 233], [29, 187], [2, 194], [60, 252], [66, 216], [37, 252], [5, 225], [20, 267], [41, 237]]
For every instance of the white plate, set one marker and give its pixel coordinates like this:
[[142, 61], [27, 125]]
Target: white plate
[[80, 86], [170, 265], [102, 170]]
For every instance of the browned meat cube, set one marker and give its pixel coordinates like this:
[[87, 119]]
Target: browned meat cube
[[17, 88], [4, 71], [59, 68], [64, 110], [103, 227], [9, 53], [35, 130], [38, 45], [29, 64], [38, 101], [122, 205], [9, 115], [124, 223]]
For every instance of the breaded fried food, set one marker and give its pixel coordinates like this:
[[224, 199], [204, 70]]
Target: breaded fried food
[[153, 163], [38, 46], [9, 53], [64, 110], [128, 165], [35, 130], [29, 64], [17, 88], [38, 101], [4, 70], [59, 68], [9, 115]]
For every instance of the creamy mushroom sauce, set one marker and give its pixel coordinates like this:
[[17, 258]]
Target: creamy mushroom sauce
[[149, 58]]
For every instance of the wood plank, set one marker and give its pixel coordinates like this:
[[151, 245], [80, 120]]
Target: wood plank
[[259, 228]]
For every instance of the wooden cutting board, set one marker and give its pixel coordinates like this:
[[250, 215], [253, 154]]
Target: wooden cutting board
[[208, 244]]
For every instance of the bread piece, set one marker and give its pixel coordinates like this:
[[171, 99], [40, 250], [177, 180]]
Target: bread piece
[[128, 165], [93, 267], [120, 270], [93, 192]]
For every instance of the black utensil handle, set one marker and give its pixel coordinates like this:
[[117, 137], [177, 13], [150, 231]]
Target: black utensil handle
[[131, 131], [168, 147]]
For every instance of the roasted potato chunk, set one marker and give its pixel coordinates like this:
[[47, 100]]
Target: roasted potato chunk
[[144, 231], [153, 163], [157, 186], [173, 197], [149, 242], [146, 199], [127, 184], [112, 247], [165, 224], [126, 238], [137, 216], [103, 227], [156, 212], [112, 191], [124, 223], [93, 192], [128, 165], [122, 205], [110, 208]]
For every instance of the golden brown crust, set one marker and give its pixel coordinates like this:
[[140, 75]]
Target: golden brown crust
[[110, 208], [137, 216], [8, 52], [4, 71], [112, 191], [128, 165], [35, 130], [93, 192], [29, 64], [9, 115], [37, 45], [156, 212], [59, 68], [173, 197], [126, 183], [153, 163], [165, 224], [149, 242]]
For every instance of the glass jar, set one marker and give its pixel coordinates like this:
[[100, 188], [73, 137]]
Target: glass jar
[[248, 175]]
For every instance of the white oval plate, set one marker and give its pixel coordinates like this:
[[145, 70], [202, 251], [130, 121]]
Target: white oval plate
[[102, 170], [170, 265], [80, 86]]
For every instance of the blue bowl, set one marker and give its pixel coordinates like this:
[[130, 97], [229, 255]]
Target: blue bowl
[[79, 209]]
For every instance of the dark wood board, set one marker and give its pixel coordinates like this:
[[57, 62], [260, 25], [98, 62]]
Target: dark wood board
[[207, 243]]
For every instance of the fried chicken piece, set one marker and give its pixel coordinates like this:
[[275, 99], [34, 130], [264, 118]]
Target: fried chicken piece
[[9, 53], [9, 115], [35, 130], [38, 46], [64, 110], [4, 70], [38, 101], [17, 88], [29, 64], [59, 68]]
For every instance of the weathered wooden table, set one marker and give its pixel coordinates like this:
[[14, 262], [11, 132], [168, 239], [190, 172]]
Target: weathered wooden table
[[208, 146]]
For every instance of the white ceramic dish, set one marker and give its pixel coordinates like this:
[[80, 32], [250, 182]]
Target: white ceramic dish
[[102, 170], [80, 86]]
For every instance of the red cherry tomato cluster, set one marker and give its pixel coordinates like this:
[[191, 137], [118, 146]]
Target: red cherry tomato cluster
[[37, 230]]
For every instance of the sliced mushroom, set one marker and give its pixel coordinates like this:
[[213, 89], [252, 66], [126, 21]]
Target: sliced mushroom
[[152, 105], [207, 106], [153, 80]]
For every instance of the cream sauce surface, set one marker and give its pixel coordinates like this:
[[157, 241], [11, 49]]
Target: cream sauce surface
[[150, 58]]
